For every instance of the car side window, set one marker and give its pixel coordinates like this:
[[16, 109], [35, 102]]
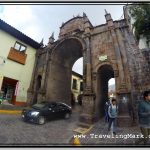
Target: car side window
[[52, 106], [61, 107]]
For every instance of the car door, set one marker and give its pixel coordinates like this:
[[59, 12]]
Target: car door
[[61, 110], [45, 112], [52, 111]]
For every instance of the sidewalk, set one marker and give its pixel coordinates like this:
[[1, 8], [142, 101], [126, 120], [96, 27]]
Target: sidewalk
[[99, 136], [10, 109]]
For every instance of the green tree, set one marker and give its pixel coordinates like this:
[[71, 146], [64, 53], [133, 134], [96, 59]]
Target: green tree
[[141, 14]]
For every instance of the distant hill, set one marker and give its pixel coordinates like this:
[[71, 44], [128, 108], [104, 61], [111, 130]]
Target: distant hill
[[112, 87]]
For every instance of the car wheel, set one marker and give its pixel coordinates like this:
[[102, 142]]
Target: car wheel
[[41, 120], [24, 119], [67, 115]]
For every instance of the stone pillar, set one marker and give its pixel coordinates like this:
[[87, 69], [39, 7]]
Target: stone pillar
[[87, 115], [117, 50], [30, 92], [84, 69], [126, 114], [46, 70], [118, 58], [43, 83], [123, 96]]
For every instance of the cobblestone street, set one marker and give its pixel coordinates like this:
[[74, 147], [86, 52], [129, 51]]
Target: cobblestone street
[[13, 131], [100, 136]]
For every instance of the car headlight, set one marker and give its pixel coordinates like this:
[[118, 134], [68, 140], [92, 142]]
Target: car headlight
[[34, 113]]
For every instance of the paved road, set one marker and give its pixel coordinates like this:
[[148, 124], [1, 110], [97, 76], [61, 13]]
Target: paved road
[[99, 135], [13, 131]]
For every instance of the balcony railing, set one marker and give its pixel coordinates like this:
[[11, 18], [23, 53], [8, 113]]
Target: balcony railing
[[17, 56]]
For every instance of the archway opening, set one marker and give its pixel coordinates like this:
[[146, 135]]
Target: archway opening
[[111, 88], [63, 59], [77, 85], [104, 74]]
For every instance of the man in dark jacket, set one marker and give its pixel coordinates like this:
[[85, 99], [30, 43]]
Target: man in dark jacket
[[144, 116]]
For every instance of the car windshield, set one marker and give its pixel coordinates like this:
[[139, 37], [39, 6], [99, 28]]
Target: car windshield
[[38, 106]]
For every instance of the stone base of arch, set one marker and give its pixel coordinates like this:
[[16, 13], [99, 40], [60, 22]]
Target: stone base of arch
[[87, 116], [126, 113], [86, 120], [124, 119]]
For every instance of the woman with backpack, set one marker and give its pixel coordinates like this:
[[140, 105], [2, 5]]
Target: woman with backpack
[[113, 113]]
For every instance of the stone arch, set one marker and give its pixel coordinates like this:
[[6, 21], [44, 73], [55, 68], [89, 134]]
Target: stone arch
[[78, 38], [113, 65], [62, 58], [104, 72]]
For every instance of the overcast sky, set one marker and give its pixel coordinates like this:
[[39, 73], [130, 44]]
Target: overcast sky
[[39, 21]]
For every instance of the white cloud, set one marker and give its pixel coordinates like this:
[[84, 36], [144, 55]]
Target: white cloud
[[45, 19], [16, 15], [39, 21], [1, 8], [78, 66], [111, 81], [22, 18]]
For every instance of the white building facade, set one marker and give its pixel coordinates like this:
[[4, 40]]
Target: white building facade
[[17, 57]]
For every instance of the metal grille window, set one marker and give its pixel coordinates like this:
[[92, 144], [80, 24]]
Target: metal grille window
[[74, 84], [81, 86], [20, 47]]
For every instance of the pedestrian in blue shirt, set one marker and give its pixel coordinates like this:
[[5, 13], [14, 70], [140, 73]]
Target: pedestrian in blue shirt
[[113, 113]]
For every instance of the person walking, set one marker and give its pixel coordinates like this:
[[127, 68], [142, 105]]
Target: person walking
[[113, 112], [107, 104], [144, 117]]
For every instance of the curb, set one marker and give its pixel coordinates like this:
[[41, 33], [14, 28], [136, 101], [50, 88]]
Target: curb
[[11, 112]]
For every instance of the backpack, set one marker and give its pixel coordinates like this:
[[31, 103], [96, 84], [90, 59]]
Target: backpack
[[107, 106], [111, 108]]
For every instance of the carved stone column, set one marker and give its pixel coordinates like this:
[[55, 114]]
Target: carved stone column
[[123, 95], [117, 49], [30, 92], [87, 116], [43, 83], [42, 91]]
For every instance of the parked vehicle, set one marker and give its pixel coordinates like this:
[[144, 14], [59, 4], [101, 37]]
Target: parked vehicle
[[42, 112]]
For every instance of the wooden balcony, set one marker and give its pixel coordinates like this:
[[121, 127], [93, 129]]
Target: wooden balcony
[[17, 56]]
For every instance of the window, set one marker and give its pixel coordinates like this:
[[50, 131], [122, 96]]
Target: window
[[38, 84], [61, 107], [52, 105], [20, 47], [81, 86], [74, 84], [17, 53]]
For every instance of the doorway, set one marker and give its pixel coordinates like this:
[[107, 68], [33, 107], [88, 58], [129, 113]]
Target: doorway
[[8, 90], [104, 74]]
